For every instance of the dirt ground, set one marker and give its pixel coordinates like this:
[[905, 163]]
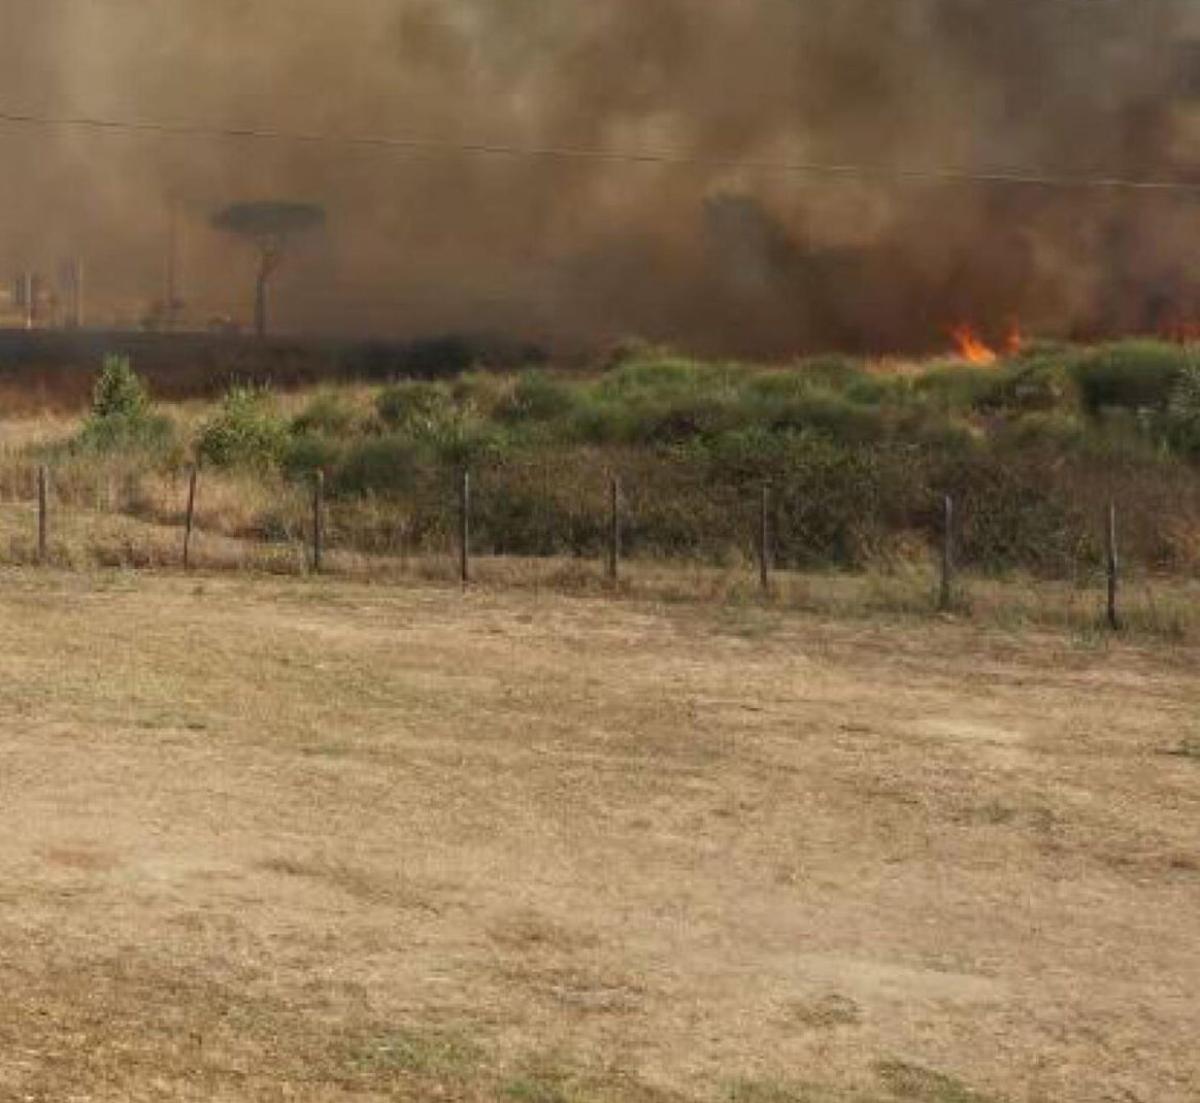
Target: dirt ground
[[297, 840]]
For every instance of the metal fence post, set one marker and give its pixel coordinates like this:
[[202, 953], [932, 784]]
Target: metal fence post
[[614, 529], [318, 522], [190, 519], [764, 540], [43, 495], [946, 596], [464, 527], [1114, 569]]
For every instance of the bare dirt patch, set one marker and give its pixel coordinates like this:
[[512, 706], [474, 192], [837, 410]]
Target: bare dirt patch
[[268, 839]]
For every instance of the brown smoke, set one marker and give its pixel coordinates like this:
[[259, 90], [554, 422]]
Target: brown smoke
[[582, 251]]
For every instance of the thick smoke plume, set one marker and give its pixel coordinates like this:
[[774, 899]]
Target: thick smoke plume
[[581, 251]]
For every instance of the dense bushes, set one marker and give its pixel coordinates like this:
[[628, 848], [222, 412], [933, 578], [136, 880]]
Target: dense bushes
[[857, 459]]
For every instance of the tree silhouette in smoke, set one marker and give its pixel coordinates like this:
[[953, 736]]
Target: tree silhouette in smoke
[[269, 225]]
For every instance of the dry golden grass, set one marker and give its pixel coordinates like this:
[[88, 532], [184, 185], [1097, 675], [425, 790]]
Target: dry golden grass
[[313, 839]]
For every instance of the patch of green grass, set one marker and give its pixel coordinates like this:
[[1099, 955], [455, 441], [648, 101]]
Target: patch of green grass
[[912, 1082], [770, 1091], [427, 1055], [556, 1079], [537, 1088], [761, 1091], [328, 413]]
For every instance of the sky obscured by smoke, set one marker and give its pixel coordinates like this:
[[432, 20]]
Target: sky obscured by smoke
[[581, 251]]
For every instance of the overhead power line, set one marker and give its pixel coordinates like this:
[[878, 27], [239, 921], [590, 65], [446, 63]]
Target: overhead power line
[[1010, 177]]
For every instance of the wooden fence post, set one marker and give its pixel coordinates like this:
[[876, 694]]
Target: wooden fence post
[[764, 540], [464, 528], [43, 494], [614, 529], [318, 522], [946, 596], [1114, 569], [190, 519]]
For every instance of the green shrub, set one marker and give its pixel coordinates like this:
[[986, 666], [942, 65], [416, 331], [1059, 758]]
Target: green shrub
[[822, 373], [554, 503], [538, 397], [414, 405], [465, 441], [119, 392], [832, 370], [147, 434], [1014, 514], [245, 432], [1131, 375], [1042, 349], [671, 421], [379, 465], [1183, 412], [1055, 429], [327, 414], [956, 387], [944, 434], [482, 391], [666, 378], [879, 390], [601, 421], [826, 412], [631, 350], [1034, 385], [307, 454], [744, 457], [764, 388], [427, 415]]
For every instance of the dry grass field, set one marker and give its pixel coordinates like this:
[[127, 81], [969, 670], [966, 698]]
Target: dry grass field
[[292, 839]]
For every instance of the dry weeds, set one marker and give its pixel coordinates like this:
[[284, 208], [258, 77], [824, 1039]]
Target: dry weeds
[[316, 840]]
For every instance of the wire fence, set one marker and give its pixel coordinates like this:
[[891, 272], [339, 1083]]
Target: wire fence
[[456, 521]]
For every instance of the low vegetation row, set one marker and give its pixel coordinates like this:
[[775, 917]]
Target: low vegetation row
[[858, 456]]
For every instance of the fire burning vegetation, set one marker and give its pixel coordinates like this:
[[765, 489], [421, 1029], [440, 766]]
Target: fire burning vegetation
[[971, 348]]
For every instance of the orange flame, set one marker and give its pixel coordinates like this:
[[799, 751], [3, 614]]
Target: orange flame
[[971, 347]]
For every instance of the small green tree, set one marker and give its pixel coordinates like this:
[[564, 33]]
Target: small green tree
[[122, 419], [119, 392], [246, 431]]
